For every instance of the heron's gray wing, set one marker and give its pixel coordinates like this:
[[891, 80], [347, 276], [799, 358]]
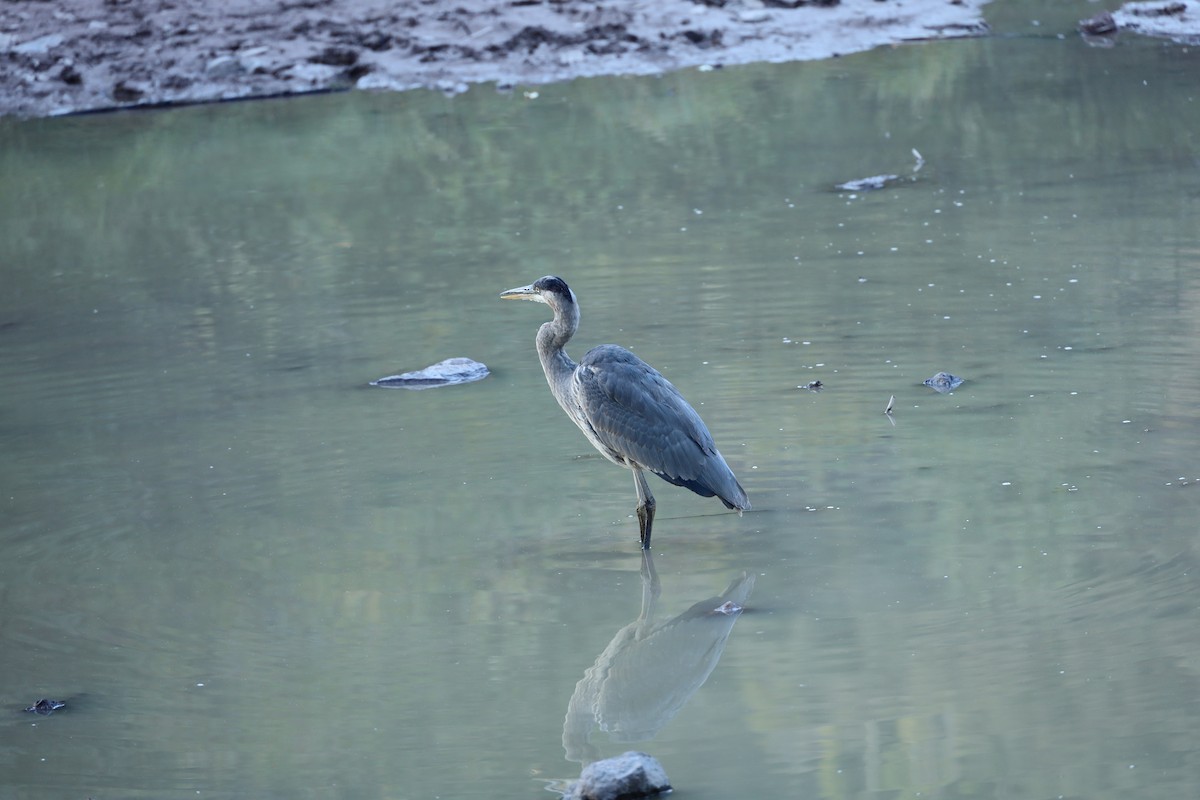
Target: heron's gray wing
[[636, 413]]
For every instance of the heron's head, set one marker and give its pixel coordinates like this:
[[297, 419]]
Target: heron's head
[[551, 290]]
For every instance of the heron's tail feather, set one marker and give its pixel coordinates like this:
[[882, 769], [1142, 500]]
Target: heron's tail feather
[[730, 493]]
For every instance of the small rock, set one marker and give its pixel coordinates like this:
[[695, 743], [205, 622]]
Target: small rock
[[176, 82], [378, 81], [376, 40], [944, 382], [70, 75], [703, 39], [45, 707], [336, 57], [128, 92], [40, 45], [752, 16], [312, 74], [224, 67], [1100, 25], [626, 777]]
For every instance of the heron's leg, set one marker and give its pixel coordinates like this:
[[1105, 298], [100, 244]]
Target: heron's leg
[[645, 507]]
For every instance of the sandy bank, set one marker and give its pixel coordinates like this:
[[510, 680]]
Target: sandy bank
[[63, 56]]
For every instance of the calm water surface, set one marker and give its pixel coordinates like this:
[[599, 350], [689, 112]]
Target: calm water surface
[[251, 576]]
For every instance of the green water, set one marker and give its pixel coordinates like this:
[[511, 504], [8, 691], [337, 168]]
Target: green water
[[251, 576]]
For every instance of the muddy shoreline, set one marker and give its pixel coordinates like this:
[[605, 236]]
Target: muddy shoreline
[[68, 56]]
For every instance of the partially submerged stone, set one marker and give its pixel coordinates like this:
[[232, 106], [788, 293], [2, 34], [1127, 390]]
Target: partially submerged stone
[[867, 184], [444, 373], [880, 181], [625, 777], [944, 382], [45, 707], [1100, 25]]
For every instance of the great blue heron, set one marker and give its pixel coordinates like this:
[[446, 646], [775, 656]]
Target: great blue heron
[[627, 410]]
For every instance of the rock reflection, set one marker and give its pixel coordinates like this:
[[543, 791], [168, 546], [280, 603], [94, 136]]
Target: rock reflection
[[650, 670]]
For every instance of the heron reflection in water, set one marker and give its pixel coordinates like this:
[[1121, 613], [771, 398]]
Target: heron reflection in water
[[651, 668], [627, 410]]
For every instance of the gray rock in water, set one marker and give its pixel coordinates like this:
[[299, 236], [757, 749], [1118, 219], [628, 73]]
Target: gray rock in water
[[1100, 25], [45, 707], [944, 382], [867, 184], [626, 777], [443, 373]]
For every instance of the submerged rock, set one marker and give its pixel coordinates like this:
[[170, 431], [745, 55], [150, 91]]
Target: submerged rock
[[626, 777], [1100, 25], [867, 184], [45, 708], [443, 373], [880, 181], [943, 382]]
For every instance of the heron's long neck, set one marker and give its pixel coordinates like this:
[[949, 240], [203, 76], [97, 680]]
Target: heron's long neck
[[552, 340]]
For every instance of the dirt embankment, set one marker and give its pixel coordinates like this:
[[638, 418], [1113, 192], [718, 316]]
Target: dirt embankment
[[62, 56]]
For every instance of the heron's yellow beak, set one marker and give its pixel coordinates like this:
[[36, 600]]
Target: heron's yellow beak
[[523, 293]]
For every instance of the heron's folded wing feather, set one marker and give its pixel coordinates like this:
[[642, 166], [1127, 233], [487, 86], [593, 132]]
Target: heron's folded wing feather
[[636, 412]]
